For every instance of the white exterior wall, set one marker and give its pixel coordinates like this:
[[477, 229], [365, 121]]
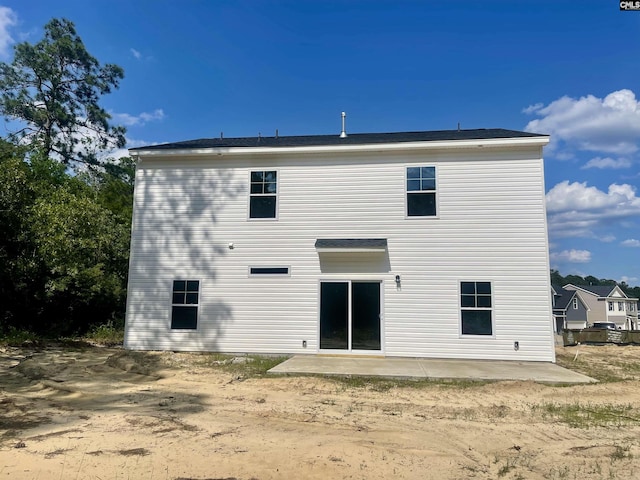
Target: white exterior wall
[[491, 226]]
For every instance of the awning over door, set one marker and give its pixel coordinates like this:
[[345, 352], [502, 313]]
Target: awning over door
[[349, 245]]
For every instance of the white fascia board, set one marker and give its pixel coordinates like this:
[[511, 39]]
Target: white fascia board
[[375, 147]]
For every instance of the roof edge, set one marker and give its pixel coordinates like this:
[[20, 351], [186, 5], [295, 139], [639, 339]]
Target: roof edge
[[537, 140]]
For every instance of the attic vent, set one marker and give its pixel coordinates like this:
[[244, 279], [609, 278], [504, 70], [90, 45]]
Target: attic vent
[[343, 134]]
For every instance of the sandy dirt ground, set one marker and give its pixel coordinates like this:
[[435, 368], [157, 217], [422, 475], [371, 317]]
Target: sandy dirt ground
[[102, 413]]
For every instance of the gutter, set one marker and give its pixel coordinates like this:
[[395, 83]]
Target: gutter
[[371, 147]]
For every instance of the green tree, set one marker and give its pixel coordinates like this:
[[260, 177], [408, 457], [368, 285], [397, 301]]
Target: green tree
[[64, 246], [84, 249], [52, 90]]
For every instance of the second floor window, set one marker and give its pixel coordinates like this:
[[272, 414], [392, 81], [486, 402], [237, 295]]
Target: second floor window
[[421, 191], [263, 194], [575, 303], [611, 306]]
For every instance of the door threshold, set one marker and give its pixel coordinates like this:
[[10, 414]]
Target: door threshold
[[350, 355]]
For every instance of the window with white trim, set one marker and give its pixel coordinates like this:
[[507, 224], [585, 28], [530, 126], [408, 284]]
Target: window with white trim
[[575, 303], [621, 306], [421, 191], [610, 306], [263, 194], [184, 304], [476, 308]]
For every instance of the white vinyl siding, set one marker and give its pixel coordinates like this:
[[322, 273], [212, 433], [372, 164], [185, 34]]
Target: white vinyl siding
[[491, 222]]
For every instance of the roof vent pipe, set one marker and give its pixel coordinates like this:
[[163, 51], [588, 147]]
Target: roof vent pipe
[[343, 134]]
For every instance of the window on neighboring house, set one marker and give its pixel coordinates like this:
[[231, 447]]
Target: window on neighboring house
[[611, 306], [631, 307], [421, 191], [621, 306], [475, 303], [263, 194], [575, 303], [184, 304]]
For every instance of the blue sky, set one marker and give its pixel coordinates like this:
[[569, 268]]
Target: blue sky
[[571, 69]]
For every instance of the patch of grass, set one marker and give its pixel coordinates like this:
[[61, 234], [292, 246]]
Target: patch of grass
[[384, 384], [605, 364], [579, 415], [17, 338], [505, 469], [244, 366], [559, 473], [621, 452], [603, 372], [108, 334]]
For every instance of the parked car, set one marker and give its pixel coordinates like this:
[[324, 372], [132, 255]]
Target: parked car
[[606, 325]]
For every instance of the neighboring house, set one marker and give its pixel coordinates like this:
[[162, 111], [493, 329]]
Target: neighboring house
[[569, 310], [608, 303], [412, 244]]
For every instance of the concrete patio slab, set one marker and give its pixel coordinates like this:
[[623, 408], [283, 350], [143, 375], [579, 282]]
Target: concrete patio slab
[[417, 368]]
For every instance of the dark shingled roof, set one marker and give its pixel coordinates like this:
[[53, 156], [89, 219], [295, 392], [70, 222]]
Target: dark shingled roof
[[563, 297], [351, 243], [351, 139], [600, 290]]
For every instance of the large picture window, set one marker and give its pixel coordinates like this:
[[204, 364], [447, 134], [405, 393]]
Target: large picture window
[[184, 304], [263, 194], [476, 307], [421, 191]]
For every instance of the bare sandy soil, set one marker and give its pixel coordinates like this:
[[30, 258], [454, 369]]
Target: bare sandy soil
[[100, 413]]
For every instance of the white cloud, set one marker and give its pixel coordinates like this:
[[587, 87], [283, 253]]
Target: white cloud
[[628, 280], [129, 120], [576, 210], [571, 256], [620, 199], [8, 18], [610, 124], [607, 162], [632, 242], [135, 53]]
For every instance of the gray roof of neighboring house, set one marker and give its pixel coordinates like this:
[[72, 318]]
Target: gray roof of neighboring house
[[563, 297], [600, 290], [350, 139]]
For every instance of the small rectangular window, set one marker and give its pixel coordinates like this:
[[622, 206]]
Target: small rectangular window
[[269, 270], [575, 303], [421, 191], [476, 308], [184, 304], [611, 306], [263, 194], [621, 306]]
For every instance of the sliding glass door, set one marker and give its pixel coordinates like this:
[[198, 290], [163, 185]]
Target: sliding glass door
[[350, 315]]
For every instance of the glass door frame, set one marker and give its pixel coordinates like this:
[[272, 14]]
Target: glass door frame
[[349, 281]]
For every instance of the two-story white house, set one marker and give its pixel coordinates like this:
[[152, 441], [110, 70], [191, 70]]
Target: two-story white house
[[415, 244]]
